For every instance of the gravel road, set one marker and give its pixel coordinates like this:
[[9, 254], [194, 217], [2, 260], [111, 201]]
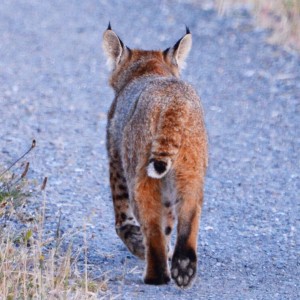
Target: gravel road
[[53, 87]]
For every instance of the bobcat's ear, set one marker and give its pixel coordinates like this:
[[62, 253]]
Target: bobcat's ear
[[113, 47], [179, 52]]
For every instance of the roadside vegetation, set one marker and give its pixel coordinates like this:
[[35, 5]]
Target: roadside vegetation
[[33, 266], [281, 16]]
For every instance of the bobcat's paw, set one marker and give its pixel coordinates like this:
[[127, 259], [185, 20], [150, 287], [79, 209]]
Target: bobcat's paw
[[183, 270], [132, 237]]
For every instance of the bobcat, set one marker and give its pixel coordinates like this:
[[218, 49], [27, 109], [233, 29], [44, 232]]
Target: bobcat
[[157, 149]]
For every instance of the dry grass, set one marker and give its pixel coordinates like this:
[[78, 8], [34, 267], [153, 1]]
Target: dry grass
[[31, 265], [282, 16], [28, 271]]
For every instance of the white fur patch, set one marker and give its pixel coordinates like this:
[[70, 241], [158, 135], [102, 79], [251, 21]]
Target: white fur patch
[[183, 50], [112, 48], [153, 173], [110, 63]]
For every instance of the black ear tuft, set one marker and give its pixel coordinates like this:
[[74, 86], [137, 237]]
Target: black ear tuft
[[109, 26], [187, 30]]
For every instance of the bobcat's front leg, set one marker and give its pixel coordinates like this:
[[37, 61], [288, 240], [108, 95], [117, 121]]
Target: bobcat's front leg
[[126, 225], [148, 201]]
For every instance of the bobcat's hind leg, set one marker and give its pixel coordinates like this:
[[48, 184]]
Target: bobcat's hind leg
[[184, 260], [126, 225], [148, 200]]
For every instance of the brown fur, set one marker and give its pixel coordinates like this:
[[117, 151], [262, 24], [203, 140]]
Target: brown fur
[[157, 149]]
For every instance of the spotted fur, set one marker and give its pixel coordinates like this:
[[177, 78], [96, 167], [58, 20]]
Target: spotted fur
[[157, 149]]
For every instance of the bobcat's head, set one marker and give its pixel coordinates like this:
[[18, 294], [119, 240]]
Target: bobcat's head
[[128, 64]]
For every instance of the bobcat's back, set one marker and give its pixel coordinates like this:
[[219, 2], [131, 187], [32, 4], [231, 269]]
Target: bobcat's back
[[150, 121]]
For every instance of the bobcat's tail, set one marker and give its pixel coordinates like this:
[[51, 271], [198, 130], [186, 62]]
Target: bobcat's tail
[[166, 142], [158, 168]]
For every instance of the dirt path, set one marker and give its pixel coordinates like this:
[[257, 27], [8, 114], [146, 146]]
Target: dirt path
[[53, 87]]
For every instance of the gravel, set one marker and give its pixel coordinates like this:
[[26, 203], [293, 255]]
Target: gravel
[[53, 87]]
